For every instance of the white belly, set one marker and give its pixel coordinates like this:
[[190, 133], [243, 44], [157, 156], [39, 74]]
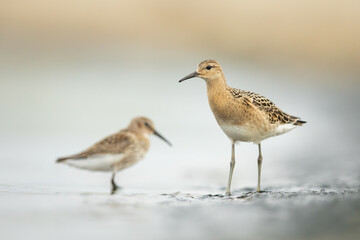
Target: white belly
[[240, 133], [281, 129], [250, 134], [99, 162]]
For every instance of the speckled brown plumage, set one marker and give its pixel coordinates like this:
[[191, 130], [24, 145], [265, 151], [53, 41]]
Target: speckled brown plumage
[[124, 141], [274, 114]]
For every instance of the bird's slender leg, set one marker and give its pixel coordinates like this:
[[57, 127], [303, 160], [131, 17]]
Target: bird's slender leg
[[232, 165], [114, 187], [260, 158]]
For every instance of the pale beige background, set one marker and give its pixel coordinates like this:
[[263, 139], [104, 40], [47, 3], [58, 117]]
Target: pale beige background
[[72, 72]]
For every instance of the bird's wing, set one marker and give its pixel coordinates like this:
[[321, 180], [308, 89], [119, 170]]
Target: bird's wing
[[275, 115], [113, 144]]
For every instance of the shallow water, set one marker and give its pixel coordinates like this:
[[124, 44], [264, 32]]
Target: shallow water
[[310, 176], [279, 213]]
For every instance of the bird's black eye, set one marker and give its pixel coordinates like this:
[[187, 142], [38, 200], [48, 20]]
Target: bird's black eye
[[146, 124], [209, 67]]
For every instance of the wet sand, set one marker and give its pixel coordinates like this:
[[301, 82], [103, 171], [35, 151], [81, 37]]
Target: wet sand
[[310, 176], [278, 213]]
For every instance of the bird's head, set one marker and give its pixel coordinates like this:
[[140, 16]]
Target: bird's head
[[146, 127], [209, 70]]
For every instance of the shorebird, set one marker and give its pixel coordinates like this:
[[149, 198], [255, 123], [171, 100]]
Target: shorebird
[[117, 151], [243, 116]]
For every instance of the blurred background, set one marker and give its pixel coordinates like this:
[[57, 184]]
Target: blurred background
[[73, 72]]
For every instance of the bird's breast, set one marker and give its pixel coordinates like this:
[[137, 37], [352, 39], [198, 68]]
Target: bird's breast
[[233, 111], [238, 119], [141, 148]]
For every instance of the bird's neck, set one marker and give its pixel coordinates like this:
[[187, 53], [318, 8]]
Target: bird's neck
[[218, 98], [216, 88], [137, 131]]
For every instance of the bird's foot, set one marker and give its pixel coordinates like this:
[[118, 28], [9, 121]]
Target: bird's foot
[[114, 189], [260, 191]]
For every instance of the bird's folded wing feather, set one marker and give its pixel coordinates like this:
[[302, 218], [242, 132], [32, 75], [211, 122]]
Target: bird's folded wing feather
[[113, 144], [274, 114]]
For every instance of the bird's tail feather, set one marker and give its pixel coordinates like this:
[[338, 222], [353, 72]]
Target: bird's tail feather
[[299, 122], [60, 160]]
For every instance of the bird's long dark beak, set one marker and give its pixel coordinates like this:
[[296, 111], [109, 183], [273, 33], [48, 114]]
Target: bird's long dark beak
[[159, 135], [191, 75]]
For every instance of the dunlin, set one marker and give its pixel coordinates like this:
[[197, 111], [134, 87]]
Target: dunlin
[[117, 151], [242, 115]]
